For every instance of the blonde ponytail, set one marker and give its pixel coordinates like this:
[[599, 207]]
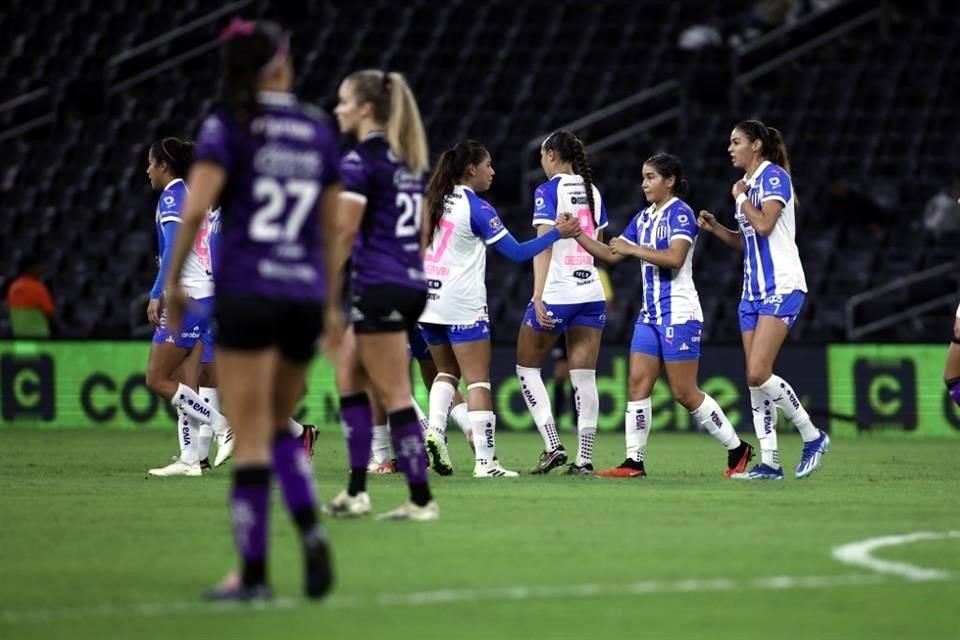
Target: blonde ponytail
[[405, 133]]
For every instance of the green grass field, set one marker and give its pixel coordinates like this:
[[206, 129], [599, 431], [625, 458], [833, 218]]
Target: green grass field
[[91, 549]]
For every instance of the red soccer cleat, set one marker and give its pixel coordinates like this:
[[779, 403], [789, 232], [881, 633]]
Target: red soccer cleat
[[628, 469], [738, 459]]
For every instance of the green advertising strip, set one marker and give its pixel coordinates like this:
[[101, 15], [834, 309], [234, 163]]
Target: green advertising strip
[[891, 389]]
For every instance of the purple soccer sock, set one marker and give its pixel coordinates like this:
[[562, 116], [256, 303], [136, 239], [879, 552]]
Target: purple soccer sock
[[953, 388], [357, 418], [407, 438], [250, 512], [292, 466]]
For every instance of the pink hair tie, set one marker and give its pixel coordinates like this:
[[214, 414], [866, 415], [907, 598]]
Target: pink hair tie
[[238, 27]]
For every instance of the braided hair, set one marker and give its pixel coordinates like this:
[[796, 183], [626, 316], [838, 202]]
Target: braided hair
[[249, 52], [571, 149]]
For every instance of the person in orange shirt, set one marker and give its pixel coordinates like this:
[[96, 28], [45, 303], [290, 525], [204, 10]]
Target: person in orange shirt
[[27, 291]]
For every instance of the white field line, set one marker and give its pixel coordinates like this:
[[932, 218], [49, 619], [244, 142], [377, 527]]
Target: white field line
[[858, 553]]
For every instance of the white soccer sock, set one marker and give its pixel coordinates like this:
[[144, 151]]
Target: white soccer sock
[[193, 405], [459, 415], [188, 432], [637, 428], [483, 424], [538, 403], [424, 423], [441, 397], [765, 426], [296, 429], [380, 448], [210, 398], [787, 401], [584, 383], [714, 421]]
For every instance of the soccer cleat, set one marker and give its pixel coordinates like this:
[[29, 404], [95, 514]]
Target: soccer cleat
[[627, 469], [309, 438], [346, 506], [233, 590], [437, 453], [812, 455], [760, 472], [493, 470], [738, 459], [577, 470], [177, 468], [225, 444], [413, 512], [318, 576], [550, 460], [388, 467]]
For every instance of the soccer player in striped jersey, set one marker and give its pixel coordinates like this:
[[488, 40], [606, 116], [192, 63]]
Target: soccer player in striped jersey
[[379, 215], [168, 161], [567, 298], [272, 164], [774, 288], [455, 323], [667, 334]]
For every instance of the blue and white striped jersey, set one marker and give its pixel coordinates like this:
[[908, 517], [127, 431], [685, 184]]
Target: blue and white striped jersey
[[669, 295], [771, 264]]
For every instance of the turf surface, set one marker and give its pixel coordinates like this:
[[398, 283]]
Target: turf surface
[[91, 549]]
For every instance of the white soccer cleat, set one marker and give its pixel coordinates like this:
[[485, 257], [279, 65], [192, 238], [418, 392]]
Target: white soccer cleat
[[346, 506], [177, 468], [225, 442], [413, 512], [493, 470]]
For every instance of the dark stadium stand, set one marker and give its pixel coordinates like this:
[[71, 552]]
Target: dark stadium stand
[[74, 190]]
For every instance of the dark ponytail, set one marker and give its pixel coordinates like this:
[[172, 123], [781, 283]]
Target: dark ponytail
[[177, 153], [774, 148], [449, 171], [669, 166], [248, 51], [571, 150]]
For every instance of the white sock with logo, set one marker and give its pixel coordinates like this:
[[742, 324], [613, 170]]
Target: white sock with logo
[[188, 431], [193, 405], [787, 401], [584, 383], [637, 428], [483, 424], [441, 397], [765, 426], [538, 403], [210, 398], [714, 421]]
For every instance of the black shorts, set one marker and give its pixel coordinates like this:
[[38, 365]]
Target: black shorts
[[255, 323], [386, 309]]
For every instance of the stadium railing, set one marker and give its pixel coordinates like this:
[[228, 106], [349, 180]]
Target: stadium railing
[[34, 96], [650, 106], [139, 55], [948, 271], [800, 37]]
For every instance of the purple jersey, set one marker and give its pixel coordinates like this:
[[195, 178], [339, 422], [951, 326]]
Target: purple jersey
[[276, 172], [387, 248]]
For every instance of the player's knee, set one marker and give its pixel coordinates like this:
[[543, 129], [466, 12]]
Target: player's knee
[[689, 397], [154, 380], [639, 387], [758, 374]]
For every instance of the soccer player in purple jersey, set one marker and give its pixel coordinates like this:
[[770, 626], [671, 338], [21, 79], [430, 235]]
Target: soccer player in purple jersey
[[379, 227], [774, 288], [175, 357], [668, 330], [271, 163], [455, 324], [951, 372]]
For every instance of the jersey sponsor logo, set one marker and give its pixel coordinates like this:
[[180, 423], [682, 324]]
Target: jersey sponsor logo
[[682, 218], [495, 223], [284, 128], [434, 284], [581, 274], [579, 200], [169, 200], [539, 202], [572, 261], [436, 270], [406, 180], [774, 181]]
